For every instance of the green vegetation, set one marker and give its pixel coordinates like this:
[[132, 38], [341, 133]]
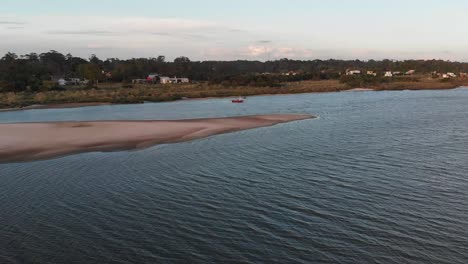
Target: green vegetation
[[27, 79], [131, 94]]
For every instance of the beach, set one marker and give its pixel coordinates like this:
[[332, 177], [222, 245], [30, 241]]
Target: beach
[[37, 141]]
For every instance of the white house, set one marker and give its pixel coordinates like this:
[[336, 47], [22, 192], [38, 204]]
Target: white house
[[182, 80], [353, 72], [410, 72], [72, 81], [165, 80], [371, 73], [451, 74], [61, 82], [388, 74]]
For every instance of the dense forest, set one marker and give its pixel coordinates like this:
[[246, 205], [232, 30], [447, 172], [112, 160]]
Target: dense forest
[[29, 72]]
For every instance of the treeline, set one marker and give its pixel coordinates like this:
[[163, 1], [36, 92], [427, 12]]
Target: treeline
[[30, 72]]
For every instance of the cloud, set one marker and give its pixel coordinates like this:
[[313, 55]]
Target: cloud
[[96, 46], [235, 30], [83, 32], [128, 37], [181, 35], [256, 51], [161, 33], [12, 23]]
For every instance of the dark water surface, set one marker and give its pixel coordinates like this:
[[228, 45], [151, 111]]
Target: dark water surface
[[380, 177]]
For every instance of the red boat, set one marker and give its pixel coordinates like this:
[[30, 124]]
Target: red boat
[[239, 100]]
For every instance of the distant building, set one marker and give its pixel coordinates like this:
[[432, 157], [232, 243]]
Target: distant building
[[182, 80], [290, 73], [397, 73], [463, 74], [410, 72], [450, 75], [61, 82], [167, 80], [371, 73], [388, 74], [72, 81], [153, 77], [353, 72]]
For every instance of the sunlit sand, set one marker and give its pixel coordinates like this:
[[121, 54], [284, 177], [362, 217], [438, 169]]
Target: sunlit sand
[[35, 141]]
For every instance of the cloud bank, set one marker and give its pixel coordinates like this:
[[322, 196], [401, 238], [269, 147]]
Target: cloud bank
[[127, 37]]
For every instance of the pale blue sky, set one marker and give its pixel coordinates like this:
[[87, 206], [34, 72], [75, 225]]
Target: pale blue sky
[[254, 29]]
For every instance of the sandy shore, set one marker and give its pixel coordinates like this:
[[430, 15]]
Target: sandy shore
[[359, 90], [36, 141], [53, 106]]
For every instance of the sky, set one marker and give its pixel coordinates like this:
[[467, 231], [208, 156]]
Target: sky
[[241, 29]]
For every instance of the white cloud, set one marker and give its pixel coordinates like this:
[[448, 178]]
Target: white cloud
[[124, 37]]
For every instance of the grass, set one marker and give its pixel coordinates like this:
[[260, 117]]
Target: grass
[[121, 93]]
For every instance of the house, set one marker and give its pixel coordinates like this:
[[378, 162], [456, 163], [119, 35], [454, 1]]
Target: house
[[165, 80], [290, 73], [463, 74], [182, 80], [397, 73], [410, 72], [371, 73], [153, 77], [450, 75], [61, 82], [388, 74], [353, 72], [72, 81]]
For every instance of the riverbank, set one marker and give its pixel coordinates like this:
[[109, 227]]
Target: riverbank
[[53, 106], [115, 94], [37, 141]]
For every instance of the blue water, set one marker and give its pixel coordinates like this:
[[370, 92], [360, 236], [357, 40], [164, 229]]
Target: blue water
[[380, 177]]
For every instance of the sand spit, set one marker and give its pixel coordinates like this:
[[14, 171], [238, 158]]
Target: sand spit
[[37, 141]]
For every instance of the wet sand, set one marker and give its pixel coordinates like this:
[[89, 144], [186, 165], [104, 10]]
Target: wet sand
[[360, 90], [37, 141], [53, 106]]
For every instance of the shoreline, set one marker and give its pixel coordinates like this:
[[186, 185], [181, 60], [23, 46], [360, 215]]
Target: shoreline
[[54, 106], [21, 142], [87, 104]]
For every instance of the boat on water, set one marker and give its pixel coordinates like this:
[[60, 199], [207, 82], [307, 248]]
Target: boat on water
[[238, 100]]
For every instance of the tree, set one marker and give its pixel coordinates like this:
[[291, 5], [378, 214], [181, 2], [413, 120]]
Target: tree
[[91, 72], [32, 57], [161, 59], [182, 59], [9, 57], [94, 59]]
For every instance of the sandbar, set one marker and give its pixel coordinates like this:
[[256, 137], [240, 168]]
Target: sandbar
[[21, 142]]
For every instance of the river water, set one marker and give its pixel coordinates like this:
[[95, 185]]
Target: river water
[[379, 177]]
